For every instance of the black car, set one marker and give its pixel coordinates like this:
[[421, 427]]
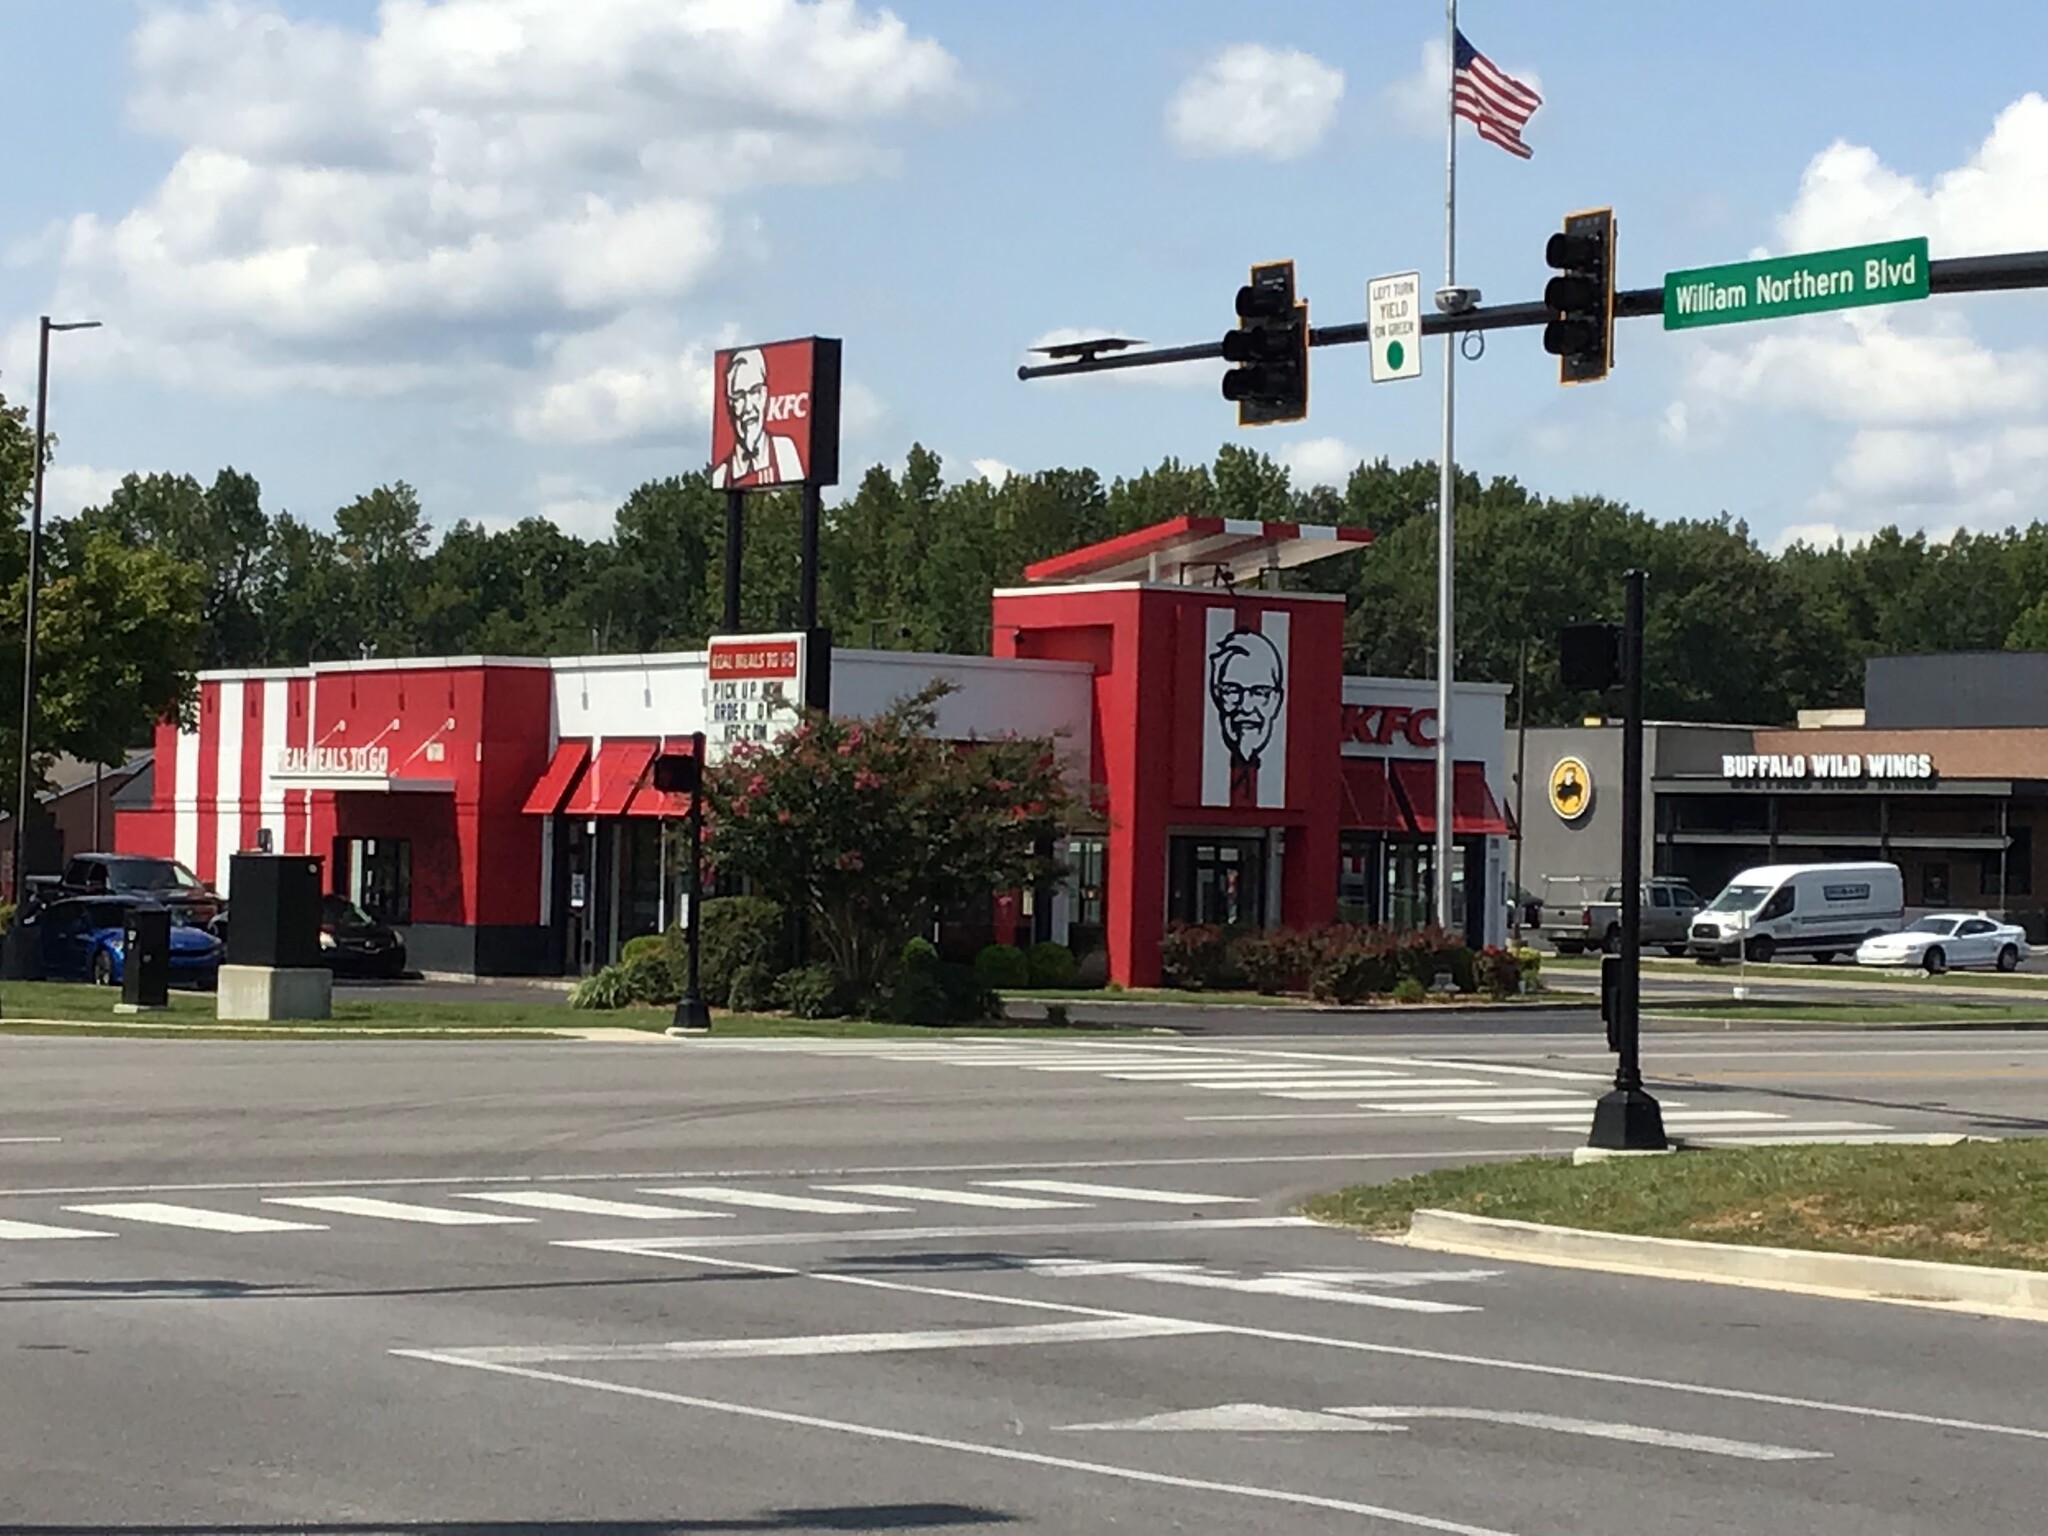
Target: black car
[[145, 875], [352, 943]]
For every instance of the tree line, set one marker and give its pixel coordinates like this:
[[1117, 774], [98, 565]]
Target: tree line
[[168, 575]]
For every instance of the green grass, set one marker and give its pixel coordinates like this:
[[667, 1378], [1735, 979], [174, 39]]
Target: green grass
[[1974, 1203], [1858, 1013]]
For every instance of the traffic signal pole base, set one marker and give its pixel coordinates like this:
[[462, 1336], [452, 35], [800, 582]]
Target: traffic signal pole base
[[1628, 1120], [693, 1016]]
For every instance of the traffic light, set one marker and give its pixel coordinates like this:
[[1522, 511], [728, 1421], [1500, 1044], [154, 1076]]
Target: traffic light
[[1270, 347], [1580, 298]]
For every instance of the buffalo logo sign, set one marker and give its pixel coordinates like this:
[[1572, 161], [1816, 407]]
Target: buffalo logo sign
[[1571, 788], [775, 415], [1244, 740]]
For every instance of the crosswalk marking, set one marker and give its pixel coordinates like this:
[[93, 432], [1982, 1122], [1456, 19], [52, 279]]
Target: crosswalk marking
[[1720, 1116], [1115, 1192], [396, 1210], [159, 1214], [761, 1199], [1333, 1080], [1525, 1112], [953, 1197], [1508, 1096], [35, 1232], [586, 1205]]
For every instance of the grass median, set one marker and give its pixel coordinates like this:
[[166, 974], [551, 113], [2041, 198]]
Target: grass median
[[1854, 1013], [1974, 1203], [1845, 973]]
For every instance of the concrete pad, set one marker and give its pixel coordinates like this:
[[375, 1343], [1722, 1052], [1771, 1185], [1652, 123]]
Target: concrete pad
[[274, 992]]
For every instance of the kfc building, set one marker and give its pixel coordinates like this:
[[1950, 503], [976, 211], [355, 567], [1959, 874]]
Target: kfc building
[[501, 811]]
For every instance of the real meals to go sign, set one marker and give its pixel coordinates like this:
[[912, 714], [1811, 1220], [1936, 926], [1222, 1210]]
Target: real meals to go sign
[[332, 762], [752, 690], [1796, 285]]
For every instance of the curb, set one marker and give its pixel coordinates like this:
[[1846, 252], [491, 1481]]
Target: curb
[[1195, 1004], [2007, 1292], [1697, 1022]]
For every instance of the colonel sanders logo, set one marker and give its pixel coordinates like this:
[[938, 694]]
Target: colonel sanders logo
[[1245, 751], [759, 455]]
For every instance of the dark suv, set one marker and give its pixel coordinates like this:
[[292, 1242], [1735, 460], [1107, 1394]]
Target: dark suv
[[158, 879]]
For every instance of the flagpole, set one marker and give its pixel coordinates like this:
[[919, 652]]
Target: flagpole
[[1446, 490]]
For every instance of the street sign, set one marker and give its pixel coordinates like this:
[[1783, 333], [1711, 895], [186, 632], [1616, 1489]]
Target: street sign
[[1393, 308], [1779, 286]]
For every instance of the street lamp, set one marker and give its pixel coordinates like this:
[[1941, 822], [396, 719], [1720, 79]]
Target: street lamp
[[35, 559]]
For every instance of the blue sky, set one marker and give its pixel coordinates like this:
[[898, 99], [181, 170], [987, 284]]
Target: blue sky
[[486, 245]]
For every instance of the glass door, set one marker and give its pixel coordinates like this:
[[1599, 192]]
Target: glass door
[[1219, 880]]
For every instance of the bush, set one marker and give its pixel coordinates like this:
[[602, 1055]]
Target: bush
[[1002, 967], [605, 989], [1498, 972], [1409, 990], [6, 915], [1057, 1017], [1195, 956], [738, 931], [1280, 960], [928, 990], [1052, 965], [752, 989], [645, 944], [1429, 952], [648, 978], [1530, 963], [1353, 973], [919, 953], [812, 992]]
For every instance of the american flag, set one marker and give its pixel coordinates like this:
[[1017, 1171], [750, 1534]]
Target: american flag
[[1496, 102]]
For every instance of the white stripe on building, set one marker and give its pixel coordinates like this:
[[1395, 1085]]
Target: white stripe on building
[[227, 793], [270, 793], [185, 799]]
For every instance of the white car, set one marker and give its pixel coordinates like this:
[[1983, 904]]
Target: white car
[[1944, 939]]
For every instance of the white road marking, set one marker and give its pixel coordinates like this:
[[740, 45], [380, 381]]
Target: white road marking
[[1373, 1347], [27, 1141], [763, 1200], [664, 1248], [1289, 1086], [1528, 1108], [1239, 1418], [35, 1232], [1115, 1192], [1085, 1331], [968, 1447], [1398, 1279], [192, 1216], [1198, 1278], [955, 1197], [396, 1210], [1636, 1434], [585, 1205], [1722, 1116], [1793, 1137], [1508, 1097]]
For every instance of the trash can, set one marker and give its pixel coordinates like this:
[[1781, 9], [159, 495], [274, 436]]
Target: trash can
[[146, 958]]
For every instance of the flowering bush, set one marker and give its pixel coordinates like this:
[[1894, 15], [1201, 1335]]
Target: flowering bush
[[1195, 956], [878, 827], [1498, 972]]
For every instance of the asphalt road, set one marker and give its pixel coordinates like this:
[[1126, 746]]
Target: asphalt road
[[573, 1289]]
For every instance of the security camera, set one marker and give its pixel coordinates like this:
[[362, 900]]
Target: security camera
[[1456, 301]]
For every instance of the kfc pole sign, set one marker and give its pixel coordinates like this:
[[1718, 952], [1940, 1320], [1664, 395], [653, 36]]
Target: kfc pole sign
[[775, 415]]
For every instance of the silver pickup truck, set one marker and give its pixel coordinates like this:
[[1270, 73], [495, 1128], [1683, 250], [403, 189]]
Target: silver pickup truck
[[1573, 927]]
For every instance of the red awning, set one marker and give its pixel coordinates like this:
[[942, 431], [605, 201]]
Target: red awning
[[615, 773], [563, 767], [1369, 803], [1474, 812], [649, 801]]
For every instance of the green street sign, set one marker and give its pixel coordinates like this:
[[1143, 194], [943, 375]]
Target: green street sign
[[1796, 285]]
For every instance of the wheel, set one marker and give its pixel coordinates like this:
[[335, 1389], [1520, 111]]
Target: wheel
[[1611, 945], [1570, 947], [1936, 961], [1759, 950], [1824, 957], [1676, 951], [2008, 959], [102, 968]]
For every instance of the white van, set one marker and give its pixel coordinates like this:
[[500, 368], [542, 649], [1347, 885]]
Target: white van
[[1822, 910]]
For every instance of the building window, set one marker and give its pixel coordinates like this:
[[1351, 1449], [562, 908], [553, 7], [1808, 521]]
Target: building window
[[1088, 858], [2019, 866], [376, 874], [1934, 885]]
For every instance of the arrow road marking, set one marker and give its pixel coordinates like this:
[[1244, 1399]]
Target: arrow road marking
[[1636, 1434]]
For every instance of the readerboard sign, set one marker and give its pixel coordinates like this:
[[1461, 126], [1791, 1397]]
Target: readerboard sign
[[775, 415], [753, 690]]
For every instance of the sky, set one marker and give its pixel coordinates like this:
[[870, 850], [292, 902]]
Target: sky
[[488, 246]]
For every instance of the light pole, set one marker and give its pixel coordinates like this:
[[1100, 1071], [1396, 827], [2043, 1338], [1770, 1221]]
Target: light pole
[[35, 560]]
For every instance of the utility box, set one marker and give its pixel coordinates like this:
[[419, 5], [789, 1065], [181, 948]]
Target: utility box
[[274, 911], [146, 959]]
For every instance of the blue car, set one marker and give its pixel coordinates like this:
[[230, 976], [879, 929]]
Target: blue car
[[80, 939]]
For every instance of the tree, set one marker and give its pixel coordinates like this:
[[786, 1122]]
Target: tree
[[382, 538], [877, 827]]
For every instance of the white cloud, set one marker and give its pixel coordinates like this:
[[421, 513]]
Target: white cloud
[[1253, 100], [71, 488], [636, 379], [1818, 536], [1320, 461], [994, 471], [1419, 101], [1944, 428], [364, 210], [575, 507]]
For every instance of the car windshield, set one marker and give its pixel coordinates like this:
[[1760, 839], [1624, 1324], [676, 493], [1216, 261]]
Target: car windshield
[[1942, 925], [149, 874], [1740, 898], [340, 912]]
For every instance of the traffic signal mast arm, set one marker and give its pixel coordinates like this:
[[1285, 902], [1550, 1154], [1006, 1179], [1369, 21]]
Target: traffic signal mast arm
[[1955, 274]]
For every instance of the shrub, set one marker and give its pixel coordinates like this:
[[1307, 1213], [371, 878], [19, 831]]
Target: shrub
[[1195, 956], [752, 989], [605, 989], [645, 944], [1278, 959], [918, 953], [928, 990], [1530, 963], [1052, 965], [812, 992], [1498, 972], [648, 979], [1429, 952], [1057, 1017], [6, 915], [1002, 966], [1353, 974], [916, 997], [1409, 990], [738, 931]]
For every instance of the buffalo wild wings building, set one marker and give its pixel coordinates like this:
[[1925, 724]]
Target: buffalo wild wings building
[[502, 811]]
